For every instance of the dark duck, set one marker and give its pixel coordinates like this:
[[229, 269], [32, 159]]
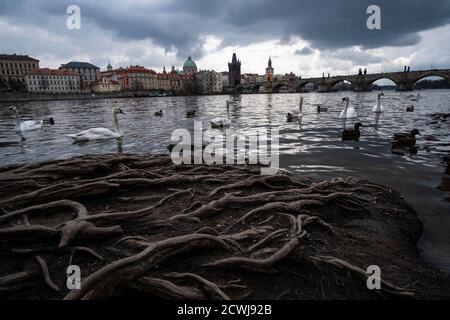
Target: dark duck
[[406, 139], [352, 134]]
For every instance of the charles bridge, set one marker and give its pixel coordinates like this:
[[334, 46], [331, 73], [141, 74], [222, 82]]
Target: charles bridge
[[361, 82]]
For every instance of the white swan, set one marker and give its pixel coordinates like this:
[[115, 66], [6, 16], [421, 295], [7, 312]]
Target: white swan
[[29, 125], [378, 108], [296, 115], [100, 133], [348, 112], [221, 122]]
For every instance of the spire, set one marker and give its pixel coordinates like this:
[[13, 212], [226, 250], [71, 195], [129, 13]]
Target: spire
[[234, 60], [270, 62]]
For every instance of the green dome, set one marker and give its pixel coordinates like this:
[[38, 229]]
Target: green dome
[[189, 63]]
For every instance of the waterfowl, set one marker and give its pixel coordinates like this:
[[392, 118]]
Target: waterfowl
[[29, 125], [348, 112], [159, 113], [352, 134], [191, 113], [410, 109], [295, 116], [101, 133], [51, 121], [406, 139], [378, 108], [221, 122], [321, 109]]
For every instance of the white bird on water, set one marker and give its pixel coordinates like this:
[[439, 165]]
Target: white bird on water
[[222, 122], [101, 133], [378, 108], [348, 112], [29, 125]]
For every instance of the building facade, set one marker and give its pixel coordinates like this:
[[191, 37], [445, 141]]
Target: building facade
[[88, 73], [210, 82], [269, 71], [137, 78], [190, 67], [234, 72], [105, 85], [13, 69], [53, 81]]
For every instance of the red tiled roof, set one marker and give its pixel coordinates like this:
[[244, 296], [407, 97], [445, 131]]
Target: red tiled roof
[[52, 72], [15, 57]]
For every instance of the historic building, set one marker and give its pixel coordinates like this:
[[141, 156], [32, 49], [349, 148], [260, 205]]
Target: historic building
[[189, 66], [53, 81], [234, 72], [88, 73], [105, 85], [210, 82], [13, 69], [269, 71], [137, 78]]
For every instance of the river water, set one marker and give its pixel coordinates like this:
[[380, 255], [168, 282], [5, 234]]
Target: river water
[[314, 148]]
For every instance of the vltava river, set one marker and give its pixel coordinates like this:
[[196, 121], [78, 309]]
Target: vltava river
[[313, 148]]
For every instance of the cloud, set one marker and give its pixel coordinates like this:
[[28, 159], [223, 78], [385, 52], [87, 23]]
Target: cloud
[[157, 33], [304, 52]]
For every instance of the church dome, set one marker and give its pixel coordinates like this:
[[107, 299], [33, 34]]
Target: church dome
[[189, 63]]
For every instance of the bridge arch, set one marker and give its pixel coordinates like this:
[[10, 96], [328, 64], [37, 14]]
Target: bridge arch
[[372, 82], [279, 86], [258, 88], [331, 85], [425, 77], [432, 74], [301, 86]]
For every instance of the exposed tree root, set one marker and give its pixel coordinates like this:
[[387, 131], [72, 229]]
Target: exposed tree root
[[141, 224]]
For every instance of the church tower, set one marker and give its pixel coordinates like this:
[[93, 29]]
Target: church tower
[[234, 70], [269, 71]]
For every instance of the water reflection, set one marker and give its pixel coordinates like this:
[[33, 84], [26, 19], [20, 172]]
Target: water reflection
[[313, 145]]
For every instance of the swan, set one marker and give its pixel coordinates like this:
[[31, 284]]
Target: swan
[[221, 122], [378, 108], [348, 112], [296, 115], [29, 125], [101, 133]]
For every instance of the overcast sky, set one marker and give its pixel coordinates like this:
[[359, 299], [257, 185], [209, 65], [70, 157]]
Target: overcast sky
[[305, 37]]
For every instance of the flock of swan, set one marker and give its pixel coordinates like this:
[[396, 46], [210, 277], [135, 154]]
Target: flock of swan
[[348, 112]]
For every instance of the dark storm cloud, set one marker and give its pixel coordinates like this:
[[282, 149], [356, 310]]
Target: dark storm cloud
[[179, 24]]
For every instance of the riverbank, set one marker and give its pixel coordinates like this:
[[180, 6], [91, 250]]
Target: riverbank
[[31, 97], [142, 227]]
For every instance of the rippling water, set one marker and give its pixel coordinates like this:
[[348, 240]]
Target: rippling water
[[313, 148]]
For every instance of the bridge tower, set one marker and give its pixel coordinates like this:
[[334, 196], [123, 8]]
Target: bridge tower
[[234, 70], [269, 71]]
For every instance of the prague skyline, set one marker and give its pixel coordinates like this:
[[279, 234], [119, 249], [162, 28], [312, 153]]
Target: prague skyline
[[157, 34]]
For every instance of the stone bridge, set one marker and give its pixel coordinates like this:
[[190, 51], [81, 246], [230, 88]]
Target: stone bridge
[[404, 81]]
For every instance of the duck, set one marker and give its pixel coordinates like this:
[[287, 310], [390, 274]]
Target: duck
[[410, 109], [29, 125], [222, 122], [348, 112], [159, 113], [321, 109], [295, 116], [378, 108], [191, 114], [352, 134], [51, 121], [100, 133], [406, 139]]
